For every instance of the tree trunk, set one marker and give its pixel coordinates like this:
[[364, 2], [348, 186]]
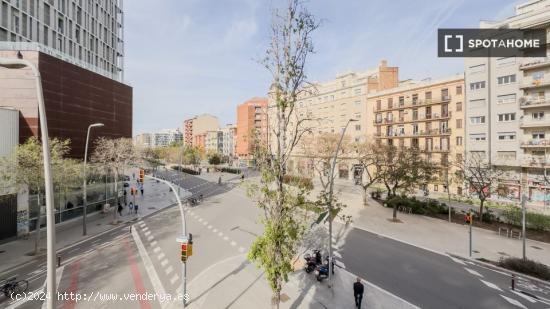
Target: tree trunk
[[365, 196], [115, 207], [395, 212], [482, 201], [37, 239]]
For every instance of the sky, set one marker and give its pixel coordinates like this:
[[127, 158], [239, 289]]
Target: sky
[[188, 57]]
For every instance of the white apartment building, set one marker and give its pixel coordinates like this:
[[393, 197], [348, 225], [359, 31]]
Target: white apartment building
[[228, 140], [87, 33], [508, 109], [163, 138], [214, 141]]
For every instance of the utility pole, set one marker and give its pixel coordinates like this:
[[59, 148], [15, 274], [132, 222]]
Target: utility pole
[[471, 219], [523, 201], [84, 189]]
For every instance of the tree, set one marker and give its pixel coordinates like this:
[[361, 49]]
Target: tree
[[151, 158], [320, 150], [480, 176], [116, 155], [192, 155], [403, 169], [24, 169], [285, 59], [214, 159], [370, 157]]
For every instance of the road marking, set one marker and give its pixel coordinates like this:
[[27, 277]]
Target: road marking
[[513, 302], [174, 279], [233, 243], [226, 238], [164, 262], [145, 229], [241, 249], [215, 230], [491, 285], [168, 270], [210, 227], [200, 219], [150, 238], [154, 243], [473, 272], [155, 281], [156, 250], [205, 223], [147, 233], [337, 254], [524, 296], [220, 234], [457, 261]]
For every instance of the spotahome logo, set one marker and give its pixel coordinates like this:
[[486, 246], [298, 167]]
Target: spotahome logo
[[491, 43]]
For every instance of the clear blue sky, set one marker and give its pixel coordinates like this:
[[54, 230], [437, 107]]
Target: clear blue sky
[[186, 57]]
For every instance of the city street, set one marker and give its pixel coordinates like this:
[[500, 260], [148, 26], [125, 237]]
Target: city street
[[147, 259]]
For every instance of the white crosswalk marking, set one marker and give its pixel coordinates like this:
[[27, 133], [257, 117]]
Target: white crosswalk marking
[[174, 279], [513, 302], [156, 250], [473, 272], [491, 285], [168, 270], [241, 249], [160, 256], [457, 260], [150, 238], [147, 233], [154, 243], [233, 243], [530, 299], [164, 262]]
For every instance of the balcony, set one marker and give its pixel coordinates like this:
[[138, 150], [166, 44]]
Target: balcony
[[527, 102], [535, 64], [428, 117], [534, 123], [431, 132], [536, 143], [531, 83], [535, 161], [437, 149], [414, 103]]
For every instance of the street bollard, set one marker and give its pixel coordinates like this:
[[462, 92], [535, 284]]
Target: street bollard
[[58, 260], [513, 282]]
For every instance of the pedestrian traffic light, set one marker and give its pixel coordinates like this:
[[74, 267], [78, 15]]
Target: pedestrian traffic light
[[141, 175]]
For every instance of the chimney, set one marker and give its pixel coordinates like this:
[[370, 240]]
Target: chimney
[[383, 63]]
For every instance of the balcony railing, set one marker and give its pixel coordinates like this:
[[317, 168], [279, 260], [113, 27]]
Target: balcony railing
[[534, 64], [430, 117], [527, 102], [431, 132], [533, 123], [535, 143], [529, 82], [414, 103], [436, 149]]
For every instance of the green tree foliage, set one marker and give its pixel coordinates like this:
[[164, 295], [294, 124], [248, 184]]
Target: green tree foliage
[[214, 159]]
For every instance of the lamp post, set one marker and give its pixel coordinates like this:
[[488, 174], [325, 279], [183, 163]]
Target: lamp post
[[84, 192], [48, 186], [330, 193]]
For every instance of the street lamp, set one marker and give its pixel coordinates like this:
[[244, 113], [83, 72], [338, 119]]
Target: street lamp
[[9, 63], [85, 193], [330, 267]]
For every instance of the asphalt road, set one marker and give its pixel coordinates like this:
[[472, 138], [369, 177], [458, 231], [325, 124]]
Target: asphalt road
[[427, 279]]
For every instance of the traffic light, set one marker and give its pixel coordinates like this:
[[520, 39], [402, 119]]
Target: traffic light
[[141, 175], [184, 252]]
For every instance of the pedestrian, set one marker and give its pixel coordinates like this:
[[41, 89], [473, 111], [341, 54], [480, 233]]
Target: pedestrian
[[136, 208], [133, 175], [358, 289], [466, 218], [220, 180], [242, 177], [130, 208], [141, 190], [119, 209]]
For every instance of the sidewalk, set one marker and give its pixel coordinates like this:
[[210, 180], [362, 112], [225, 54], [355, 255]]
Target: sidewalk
[[436, 234], [235, 283], [156, 197]]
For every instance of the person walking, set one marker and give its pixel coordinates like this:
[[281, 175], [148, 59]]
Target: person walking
[[130, 208], [119, 209], [141, 188], [358, 289], [136, 208]]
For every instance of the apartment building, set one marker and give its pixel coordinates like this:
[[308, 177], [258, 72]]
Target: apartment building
[[251, 126], [198, 125], [329, 105], [508, 110], [228, 141], [86, 33], [143, 140], [214, 141], [428, 115]]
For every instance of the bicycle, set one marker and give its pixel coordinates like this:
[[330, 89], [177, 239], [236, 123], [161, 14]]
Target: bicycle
[[11, 286]]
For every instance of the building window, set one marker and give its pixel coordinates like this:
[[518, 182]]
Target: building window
[[458, 90], [505, 61], [507, 117], [357, 103], [357, 127], [507, 79], [538, 115], [357, 91], [479, 103], [459, 140], [401, 101], [477, 120], [15, 19], [458, 106], [480, 68], [477, 85], [478, 137], [506, 136], [459, 123], [506, 155], [415, 99], [538, 135], [506, 99]]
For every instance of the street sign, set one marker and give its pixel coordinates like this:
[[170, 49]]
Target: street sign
[[182, 239]]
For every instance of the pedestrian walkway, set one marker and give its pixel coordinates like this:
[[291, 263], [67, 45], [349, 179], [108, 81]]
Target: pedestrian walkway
[[156, 197], [436, 234], [236, 283]]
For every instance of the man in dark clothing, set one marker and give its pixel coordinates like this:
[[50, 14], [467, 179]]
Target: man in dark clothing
[[358, 290]]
